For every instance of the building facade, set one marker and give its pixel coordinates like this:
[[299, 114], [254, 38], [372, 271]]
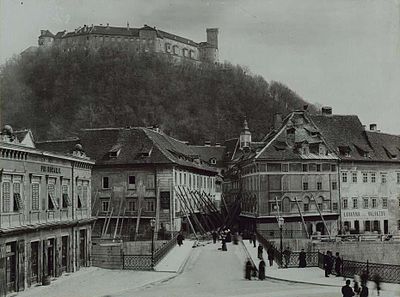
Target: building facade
[[142, 174], [141, 40], [45, 217], [369, 173]]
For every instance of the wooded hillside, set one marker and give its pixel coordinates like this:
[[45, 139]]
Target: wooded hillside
[[56, 93]]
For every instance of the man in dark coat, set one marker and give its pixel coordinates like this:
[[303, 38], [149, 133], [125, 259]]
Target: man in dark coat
[[260, 251], [286, 255], [261, 270], [214, 236], [364, 278], [248, 268], [254, 240], [338, 265], [327, 263], [364, 291], [302, 259], [270, 253], [224, 248], [347, 291], [377, 280], [179, 239]]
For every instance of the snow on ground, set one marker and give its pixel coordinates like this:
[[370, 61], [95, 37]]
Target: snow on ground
[[311, 275], [96, 282]]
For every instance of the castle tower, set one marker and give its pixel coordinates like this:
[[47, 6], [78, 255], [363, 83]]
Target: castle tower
[[245, 136], [46, 38], [209, 49], [212, 37]]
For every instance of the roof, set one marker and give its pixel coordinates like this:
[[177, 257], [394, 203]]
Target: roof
[[207, 153], [46, 33], [344, 131], [386, 146], [133, 145], [123, 31]]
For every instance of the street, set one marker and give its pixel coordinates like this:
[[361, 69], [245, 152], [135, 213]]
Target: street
[[212, 272]]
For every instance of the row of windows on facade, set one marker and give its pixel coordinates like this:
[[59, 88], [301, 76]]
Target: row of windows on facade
[[194, 181], [11, 197], [290, 167], [367, 177], [149, 204], [367, 202], [306, 205], [149, 182], [369, 226]]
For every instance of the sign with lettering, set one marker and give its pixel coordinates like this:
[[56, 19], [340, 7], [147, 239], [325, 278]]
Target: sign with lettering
[[50, 169], [365, 214]]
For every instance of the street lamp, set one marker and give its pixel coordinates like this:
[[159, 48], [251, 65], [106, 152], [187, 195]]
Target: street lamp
[[152, 226], [281, 221]]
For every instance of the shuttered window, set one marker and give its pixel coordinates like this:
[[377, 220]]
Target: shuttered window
[[35, 196], [6, 196]]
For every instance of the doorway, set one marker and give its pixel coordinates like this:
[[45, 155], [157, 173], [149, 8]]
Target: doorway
[[34, 262], [11, 267], [64, 254], [82, 247], [50, 257], [357, 226], [320, 228], [386, 227]]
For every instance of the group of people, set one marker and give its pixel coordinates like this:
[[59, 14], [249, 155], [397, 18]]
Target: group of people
[[250, 270], [330, 261], [360, 287]]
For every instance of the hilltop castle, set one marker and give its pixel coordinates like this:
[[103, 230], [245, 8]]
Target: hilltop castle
[[144, 39]]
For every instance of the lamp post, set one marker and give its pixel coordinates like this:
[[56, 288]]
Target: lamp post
[[152, 225], [281, 221]]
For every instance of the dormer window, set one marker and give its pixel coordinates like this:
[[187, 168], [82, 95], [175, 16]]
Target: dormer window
[[390, 153], [344, 151], [168, 47], [213, 161], [114, 151]]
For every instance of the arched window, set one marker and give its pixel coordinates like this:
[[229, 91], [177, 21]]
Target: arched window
[[320, 203], [286, 204], [306, 203]]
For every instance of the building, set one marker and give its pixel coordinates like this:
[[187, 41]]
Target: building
[[292, 174], [45, 218], [141, 174], [140, 40], [369, 173]]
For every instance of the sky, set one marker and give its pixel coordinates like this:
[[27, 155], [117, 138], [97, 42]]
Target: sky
[[340, 53]]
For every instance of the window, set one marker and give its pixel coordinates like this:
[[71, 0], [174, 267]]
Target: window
[[105, 182], [318, 167], [365, 202], [18, 205], [319, 185], [354, 177], [365, 177], [367, 225], [35, 196], [52, 203], [6, 196], [384, 202], [344, 177], [355, 202], [398, 225], [131, 181], [105, 205], [305, 186], [306, 206], [213, 161], [150, 205], [150, 181], [333, 167], [334, 185], [84, 196], [374, 203], [398, 177], [285, 167], [345, 203], [65, 197], [131, 205], [305, 167], [373, 177], [79, 194], [335, 206], [383, 178]]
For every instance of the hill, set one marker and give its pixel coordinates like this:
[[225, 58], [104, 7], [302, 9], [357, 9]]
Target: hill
[[56, 93]]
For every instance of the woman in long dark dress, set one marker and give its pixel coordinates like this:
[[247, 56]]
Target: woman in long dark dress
[[302, 259], [248, 269], [261, 270]]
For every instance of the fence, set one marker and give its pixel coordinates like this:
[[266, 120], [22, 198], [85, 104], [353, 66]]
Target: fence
[[388, 273]]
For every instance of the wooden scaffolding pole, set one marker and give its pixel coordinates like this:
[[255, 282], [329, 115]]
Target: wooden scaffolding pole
[[301, 215], [183, 206], [322, 217], [186, 199]]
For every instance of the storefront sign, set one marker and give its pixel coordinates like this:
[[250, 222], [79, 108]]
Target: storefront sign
[[365, 214], [50, 169]]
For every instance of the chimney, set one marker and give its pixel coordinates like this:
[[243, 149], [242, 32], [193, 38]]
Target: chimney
[[326, 110], [277, 121], [373, 127], [207, 143], [108, 25]]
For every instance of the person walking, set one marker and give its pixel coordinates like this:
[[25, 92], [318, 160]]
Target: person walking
[[224, 248], [364, 278], [248, 268], [214, 236], [377, 280], [347, 291], [260, 251], [261, 270], [179, 239], [270, 253], [327, 264], [364, 291], [302, 259], [286, 254], [254, 240], [356, 286], [338, 264]]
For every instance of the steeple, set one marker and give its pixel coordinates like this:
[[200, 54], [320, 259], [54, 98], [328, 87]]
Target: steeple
[[245, 136]]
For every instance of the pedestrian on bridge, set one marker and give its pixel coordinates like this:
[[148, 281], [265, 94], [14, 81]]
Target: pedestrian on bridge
[[248, 269], [261, 270], [179, 239], [270, 253], [286, 254], [214, 236], [347, 291], [377, 280], [302, 259], [254, 237], [260, 251], [338, 264]]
